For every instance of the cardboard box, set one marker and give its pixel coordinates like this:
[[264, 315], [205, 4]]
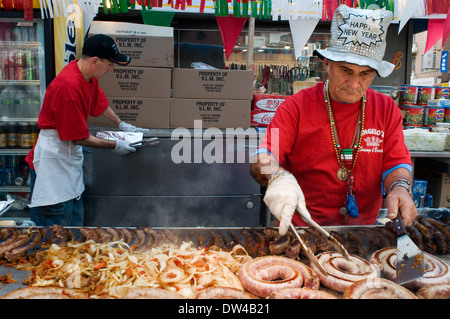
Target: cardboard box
[[438, 185], [212, 84], [147, 45], [213, 113], [261, 118], [141, 112], [267, 102], [137, 82]]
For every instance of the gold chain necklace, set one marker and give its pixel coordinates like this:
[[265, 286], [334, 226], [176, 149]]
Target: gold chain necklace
[[344, 172]]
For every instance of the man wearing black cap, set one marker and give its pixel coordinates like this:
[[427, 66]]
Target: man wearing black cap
[[57, 157]]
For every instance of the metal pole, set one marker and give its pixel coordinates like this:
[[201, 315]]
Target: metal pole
[[251, 34]]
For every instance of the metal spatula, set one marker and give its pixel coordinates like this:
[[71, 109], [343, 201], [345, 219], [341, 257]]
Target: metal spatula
[[410, 259]]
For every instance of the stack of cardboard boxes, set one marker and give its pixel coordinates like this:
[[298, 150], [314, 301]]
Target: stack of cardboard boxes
[[220, 98], [139, 93], [151, 93]]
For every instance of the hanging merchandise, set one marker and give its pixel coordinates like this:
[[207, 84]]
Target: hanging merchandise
[[291, 10], [19, 5]]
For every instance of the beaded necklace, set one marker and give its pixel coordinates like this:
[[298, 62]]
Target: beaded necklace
[[347, 157]]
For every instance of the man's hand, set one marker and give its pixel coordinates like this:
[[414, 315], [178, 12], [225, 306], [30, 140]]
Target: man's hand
[[399, 200], [283, 196], [123, 147]]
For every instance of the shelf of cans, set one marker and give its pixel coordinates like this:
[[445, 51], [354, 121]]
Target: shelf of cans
[[14, 173], [19, 52], [19, 73], [424, 105], [420, 196]]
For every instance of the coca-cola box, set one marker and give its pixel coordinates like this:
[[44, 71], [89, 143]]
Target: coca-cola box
[[267, 102], [261, 118], [215, 113], [147, 45]]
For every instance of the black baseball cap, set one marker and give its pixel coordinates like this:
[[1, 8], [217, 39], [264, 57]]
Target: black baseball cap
[[104, 47]]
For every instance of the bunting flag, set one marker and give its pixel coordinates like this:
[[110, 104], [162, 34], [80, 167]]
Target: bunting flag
[[230, 29], [403, 10], [435, 32], [329, 6], [158, 18], [406, 9], [446, 33], [301, 30], [436, 6]]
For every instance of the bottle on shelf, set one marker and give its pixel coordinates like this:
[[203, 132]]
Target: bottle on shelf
[[11, 135], [23, 135], [19, 103], [34, 132], [7, 98], [33, 96], [3, 142]]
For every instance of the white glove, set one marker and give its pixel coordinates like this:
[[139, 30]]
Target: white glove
[[283, 196], [131, 128], [123, 147]]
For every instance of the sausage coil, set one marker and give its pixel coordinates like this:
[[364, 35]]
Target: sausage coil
[[341, 272], [377, 288], [436, 271], [223, 293], [264, 275], [436, 291], [300, 293]]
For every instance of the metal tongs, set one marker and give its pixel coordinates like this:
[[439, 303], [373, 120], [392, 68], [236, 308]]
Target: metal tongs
[[308, 252], [145, 142], [337, 245]]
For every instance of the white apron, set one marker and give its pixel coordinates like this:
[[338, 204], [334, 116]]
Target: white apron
[[59, 170]]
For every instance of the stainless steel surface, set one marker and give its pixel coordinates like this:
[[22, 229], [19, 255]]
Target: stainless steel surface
[[21, 275], [430, 154], [18, 275]]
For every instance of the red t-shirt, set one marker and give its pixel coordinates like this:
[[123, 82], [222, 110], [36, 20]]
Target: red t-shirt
[[306, 150], [69, 101]]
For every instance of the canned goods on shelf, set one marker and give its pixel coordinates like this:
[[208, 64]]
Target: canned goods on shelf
[[442, 93], [424, 94], [433, 115], [414, 115], [408, 94]]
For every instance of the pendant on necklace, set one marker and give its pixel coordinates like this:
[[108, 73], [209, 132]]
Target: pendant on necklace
[[342, 174]]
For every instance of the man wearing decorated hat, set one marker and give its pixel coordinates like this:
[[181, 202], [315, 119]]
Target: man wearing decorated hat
[[331, 150]]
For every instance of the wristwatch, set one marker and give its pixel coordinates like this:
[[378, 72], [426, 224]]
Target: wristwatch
[[402, 183]]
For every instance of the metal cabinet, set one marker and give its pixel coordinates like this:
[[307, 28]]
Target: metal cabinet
[[149, 187]]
